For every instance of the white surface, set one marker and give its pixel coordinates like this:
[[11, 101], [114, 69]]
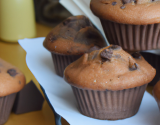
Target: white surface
[[82, 7], [62, 99]]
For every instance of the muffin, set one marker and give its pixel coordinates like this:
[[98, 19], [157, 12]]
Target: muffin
[[132, 24], [71, 39], [109, 83], [11, 82], [156, 92]]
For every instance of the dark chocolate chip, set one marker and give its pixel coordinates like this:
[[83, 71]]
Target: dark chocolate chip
[[66, 22], [114, 3], [136, 55], [53, 38], [135, 1], [12, 72], [19, 82], [115, 47], [127, 1], [122, 7], [106, 55], [133, 67]]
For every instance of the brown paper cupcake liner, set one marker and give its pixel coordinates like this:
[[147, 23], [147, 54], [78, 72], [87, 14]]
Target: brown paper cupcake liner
[[154, 61], [132, 37], [111, 105], [62, 61], [6, 104]]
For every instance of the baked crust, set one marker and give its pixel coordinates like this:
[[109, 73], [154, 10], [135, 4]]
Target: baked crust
[[11, 79], [109, 68], [74, 36], [141, 12]]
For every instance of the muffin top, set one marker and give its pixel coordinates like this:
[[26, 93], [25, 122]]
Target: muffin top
[[156, 92], [109, 68], [11, 79], [138, 12], [74, 36]]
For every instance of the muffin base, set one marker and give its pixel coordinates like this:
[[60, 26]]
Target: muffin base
[[62, 61], [132, 37], [6, 104], [111, 105]]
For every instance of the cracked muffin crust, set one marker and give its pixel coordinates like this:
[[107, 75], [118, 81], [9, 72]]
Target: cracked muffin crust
[[74, 36], [109, 68]]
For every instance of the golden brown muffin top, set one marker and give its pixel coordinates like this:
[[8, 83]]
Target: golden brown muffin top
[[74, 36], [138, 12], [156, 92], [109, 68], [11, 79]]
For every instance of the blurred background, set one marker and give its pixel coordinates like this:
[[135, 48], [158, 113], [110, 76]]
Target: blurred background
[[50, 12]]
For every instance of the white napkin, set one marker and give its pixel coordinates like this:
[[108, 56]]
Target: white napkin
[[61, 96]]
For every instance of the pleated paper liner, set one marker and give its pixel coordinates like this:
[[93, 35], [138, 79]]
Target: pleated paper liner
[[111, 105], [132, 37], [62, 61], [6, 104], [154, 61]]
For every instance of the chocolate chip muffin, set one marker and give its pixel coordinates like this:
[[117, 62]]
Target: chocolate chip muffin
[[109, 83], [70, 39], [132, 24], [156, 93], [11, 81]]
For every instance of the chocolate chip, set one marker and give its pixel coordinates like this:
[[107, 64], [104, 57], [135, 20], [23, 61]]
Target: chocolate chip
[[122, 7], [67, 21], [12, 72], [114, 3], [114, 47], [106, 54], [127, 1], [19, 82], [136, 55], [133, 67], [53, 38]]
